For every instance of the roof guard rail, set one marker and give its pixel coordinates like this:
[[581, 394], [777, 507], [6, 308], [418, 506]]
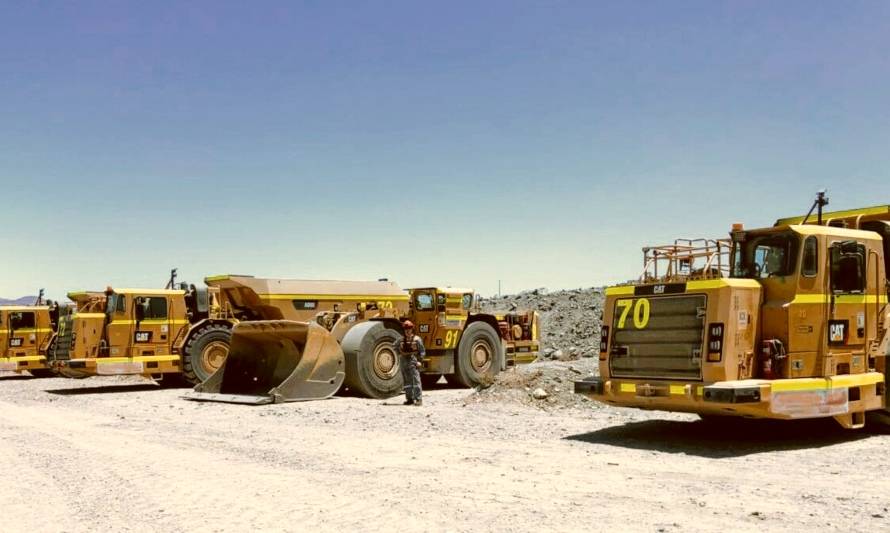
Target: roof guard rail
[[685, 260]]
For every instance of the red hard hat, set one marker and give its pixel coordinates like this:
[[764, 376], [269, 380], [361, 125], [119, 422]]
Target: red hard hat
[[408, 324]]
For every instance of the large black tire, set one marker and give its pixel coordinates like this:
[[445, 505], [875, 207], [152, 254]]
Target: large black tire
[[372, 366], [205, 352], [42, 373], [479, 355]]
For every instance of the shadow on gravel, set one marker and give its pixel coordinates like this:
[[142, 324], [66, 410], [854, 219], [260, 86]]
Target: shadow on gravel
[[725, 439], [346, 392], [107, 389], [17, 378]]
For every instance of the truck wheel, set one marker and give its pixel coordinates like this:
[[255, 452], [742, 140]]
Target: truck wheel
[[479, 355], [372, 365], [205, 352]]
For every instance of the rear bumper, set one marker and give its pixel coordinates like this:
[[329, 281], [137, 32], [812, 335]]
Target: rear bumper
[[18, 364], [522, 352], [782, 399]]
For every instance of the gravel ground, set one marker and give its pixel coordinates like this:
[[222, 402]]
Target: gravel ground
[[107, 454]]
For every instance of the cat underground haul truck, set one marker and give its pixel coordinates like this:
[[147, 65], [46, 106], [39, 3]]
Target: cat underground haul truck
[[465, 346], [185, 333], [26, 334], [785, 322]]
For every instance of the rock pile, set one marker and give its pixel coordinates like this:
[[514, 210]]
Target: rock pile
[[544, 384], [570, 319]]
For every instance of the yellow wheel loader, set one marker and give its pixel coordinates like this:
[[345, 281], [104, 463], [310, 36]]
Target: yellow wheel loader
[[466, 346], [185, 333], [785, 322], [26, 334]]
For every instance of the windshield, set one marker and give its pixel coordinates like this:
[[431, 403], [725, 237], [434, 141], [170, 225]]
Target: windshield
[[766, 256], [424, 302]]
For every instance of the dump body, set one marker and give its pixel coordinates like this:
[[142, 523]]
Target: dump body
[[26, 333], [250, 298], [787, 336]]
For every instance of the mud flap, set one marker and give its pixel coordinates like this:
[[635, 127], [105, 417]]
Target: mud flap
[[274, 361]]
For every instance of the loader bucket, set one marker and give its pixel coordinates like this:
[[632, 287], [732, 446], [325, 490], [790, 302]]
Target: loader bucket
[[273, 361]]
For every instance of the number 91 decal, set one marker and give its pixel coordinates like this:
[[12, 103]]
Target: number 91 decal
[[637, 310], [451, 339]]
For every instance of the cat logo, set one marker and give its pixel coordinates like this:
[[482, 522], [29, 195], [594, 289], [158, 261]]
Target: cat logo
[[837, 331], [143, 336], [16, 342], [658, 289]]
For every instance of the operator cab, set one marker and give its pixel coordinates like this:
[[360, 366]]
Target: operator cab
[[809, 274]]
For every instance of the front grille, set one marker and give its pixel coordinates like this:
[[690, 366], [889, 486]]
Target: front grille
[[668, 345]]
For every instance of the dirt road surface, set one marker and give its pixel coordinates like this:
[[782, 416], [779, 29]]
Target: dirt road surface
[[109, 454]]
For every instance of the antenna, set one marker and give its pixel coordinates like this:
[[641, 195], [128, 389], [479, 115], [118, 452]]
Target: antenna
[[820, 202], [172, 283]]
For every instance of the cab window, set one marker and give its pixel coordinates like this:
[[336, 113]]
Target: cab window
[[810, 257], [155, 307], [467, 301], [768, 256], [21, 320], [848, 267], [424, 302], [116, 303]]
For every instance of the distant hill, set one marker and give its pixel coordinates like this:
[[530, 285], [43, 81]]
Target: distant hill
[[24, 300]]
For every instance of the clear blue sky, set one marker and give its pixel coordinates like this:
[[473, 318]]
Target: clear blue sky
[[459, 142]]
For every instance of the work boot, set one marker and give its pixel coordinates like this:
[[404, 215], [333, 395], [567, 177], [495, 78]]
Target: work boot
[[418, 403], [408, 402]]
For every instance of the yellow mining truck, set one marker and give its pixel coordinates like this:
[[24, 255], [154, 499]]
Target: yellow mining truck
[[466, 346], [784, 322], [26, 334], [185, 332]]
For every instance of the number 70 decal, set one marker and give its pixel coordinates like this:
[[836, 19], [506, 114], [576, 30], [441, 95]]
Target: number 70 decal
[[641, 309]]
